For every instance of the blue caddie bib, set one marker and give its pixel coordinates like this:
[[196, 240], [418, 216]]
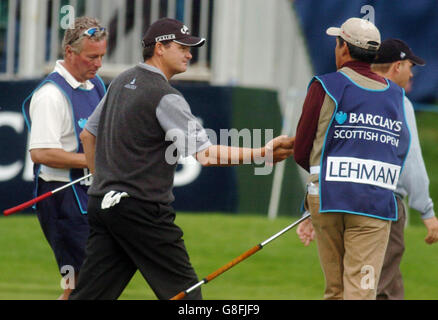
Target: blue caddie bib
[[82, 102], [364, 150]]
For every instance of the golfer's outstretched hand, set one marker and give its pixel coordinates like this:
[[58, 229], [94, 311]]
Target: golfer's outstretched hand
[[305, 232], [279, 149], [432, 230]]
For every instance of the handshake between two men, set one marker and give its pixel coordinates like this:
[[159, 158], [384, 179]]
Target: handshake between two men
[[276, 150]]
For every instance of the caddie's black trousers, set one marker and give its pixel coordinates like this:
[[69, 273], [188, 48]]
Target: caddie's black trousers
[[134, 235]]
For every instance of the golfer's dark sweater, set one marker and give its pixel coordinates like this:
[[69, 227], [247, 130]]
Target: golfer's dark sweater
[[131, 144]]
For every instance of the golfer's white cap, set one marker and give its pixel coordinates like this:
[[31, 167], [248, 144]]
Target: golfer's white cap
[[358, 32]]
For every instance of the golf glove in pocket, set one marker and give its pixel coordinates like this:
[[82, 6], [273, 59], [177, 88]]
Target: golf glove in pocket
[[112, 198]]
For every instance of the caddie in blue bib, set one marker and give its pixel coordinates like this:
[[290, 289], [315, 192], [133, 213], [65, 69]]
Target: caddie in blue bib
[[365, 148], [83, 102]]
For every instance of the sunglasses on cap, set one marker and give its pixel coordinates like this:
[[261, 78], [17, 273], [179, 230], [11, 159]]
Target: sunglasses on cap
[[91, 32]]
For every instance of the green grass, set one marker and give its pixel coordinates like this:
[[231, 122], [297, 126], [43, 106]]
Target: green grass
[[428, 134], [283, 270]]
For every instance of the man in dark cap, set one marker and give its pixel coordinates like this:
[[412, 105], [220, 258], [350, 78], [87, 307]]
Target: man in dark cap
[[135, 132], [395, 61]]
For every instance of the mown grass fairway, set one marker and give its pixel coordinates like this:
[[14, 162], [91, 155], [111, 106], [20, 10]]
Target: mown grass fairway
[[283, 270]]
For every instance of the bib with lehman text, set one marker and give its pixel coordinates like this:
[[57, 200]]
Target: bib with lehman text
[[364, 150]]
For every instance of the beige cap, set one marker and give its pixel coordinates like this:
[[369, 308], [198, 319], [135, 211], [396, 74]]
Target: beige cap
[[358, 32]]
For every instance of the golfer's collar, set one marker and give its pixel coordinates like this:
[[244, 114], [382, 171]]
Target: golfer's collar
[[152, 69]]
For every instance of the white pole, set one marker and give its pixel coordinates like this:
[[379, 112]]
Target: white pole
[[188, 8], [138, 31], [54, 46], [10, 55], [121, 37], [155, 10], [32, 40], [91, 8], [205, 8], [227, 36], [171, 9], [277, 181]]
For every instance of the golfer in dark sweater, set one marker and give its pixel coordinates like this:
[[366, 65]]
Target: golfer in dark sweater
[[131, 141]]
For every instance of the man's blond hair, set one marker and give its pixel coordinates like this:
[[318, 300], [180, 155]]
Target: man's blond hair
[[74, 37]]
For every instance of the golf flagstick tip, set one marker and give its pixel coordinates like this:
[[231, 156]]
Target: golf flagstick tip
[[29, 203], [26, 204]]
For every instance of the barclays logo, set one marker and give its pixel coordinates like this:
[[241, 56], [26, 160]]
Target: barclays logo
[[341, 117], [82, 122]]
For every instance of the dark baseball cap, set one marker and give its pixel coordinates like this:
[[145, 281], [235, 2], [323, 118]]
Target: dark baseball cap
[[170, 29], [392, 50]]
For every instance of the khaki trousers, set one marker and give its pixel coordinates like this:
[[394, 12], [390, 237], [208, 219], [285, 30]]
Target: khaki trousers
[[351, 250]]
